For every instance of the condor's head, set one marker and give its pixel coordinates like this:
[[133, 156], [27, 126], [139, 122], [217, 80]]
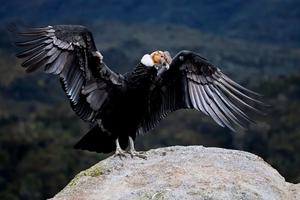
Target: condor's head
[[161, 60]]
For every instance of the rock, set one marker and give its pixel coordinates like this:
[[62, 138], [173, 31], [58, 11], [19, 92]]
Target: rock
[[182, 173]]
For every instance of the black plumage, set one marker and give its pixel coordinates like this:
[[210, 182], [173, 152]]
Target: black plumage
[[122, 106]]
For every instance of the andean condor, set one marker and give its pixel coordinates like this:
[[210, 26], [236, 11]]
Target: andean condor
[[120, 107]]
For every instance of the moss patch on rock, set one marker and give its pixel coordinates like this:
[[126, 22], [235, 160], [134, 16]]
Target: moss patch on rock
[[93, 171]]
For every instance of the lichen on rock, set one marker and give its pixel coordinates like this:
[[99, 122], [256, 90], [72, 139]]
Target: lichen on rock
[[93, 171]]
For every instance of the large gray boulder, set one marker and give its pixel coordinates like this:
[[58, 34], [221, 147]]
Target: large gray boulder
[[182, 173]]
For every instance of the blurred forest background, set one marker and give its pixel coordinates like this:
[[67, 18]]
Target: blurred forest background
[[255, 42]]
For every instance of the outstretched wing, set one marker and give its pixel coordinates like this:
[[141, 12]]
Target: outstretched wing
[[192, 82], [70, 52]]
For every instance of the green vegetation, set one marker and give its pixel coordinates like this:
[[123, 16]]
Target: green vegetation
[[38, 128], [93, 171]]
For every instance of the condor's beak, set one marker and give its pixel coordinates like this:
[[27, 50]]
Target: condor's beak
[[167, 57], [165, 61]]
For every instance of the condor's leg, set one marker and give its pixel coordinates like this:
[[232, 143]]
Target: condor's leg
[[132, 150], [119, 152]]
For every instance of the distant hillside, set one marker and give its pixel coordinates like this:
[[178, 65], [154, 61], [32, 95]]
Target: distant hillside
[[272, 21]]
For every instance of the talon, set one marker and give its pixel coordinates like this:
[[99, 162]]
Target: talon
[[119, 152], [133, 152], [137, 154]]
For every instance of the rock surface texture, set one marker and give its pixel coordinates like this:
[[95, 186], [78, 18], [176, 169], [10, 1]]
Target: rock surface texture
[[182, 173]]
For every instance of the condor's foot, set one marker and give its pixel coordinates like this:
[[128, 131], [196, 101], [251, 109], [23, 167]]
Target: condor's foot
[[119, 152], [133, 152]]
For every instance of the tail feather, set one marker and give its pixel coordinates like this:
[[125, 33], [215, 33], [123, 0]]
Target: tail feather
[[97, 140]]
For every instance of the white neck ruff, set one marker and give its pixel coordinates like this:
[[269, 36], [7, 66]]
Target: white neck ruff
[[147, 60]]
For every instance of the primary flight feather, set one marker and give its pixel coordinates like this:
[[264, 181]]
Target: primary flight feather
[[122, 106]]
